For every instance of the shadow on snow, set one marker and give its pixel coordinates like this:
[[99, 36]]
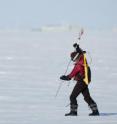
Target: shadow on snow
[[107, 114]]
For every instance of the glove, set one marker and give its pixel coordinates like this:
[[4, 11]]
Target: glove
[[63, 77]]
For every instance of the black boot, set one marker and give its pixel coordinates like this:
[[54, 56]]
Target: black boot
[[94, 109], [94, 113], [73, 111]]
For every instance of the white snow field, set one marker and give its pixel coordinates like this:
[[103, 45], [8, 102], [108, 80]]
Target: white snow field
[[31, 64]]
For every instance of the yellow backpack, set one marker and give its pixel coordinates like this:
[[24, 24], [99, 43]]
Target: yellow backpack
[[87, 78]]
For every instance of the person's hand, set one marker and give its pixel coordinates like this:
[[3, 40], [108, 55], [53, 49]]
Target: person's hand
[[64, 77]]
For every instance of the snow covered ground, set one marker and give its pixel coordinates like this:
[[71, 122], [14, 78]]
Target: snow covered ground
[[31, 64]]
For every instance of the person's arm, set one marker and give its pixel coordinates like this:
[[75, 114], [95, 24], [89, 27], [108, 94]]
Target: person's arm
[[75, 70]]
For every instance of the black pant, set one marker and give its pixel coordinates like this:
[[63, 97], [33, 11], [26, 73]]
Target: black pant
[[81, 87]]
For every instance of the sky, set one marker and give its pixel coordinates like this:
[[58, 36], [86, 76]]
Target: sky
[[37, 13]]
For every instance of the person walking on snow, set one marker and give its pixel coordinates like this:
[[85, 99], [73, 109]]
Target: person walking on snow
[[82, 74]]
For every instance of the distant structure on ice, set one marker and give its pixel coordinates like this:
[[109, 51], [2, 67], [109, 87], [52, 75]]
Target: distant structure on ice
[[58, 28]]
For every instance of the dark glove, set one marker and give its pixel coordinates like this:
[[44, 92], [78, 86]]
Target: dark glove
[[63, 77]]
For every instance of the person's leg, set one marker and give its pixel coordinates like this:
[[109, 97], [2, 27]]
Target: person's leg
[[90, 101], [73, 102]]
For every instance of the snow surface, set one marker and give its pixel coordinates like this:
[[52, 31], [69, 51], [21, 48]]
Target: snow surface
[[31, 64]]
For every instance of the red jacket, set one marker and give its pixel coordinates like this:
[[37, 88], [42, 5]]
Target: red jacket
[[78, 71]]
